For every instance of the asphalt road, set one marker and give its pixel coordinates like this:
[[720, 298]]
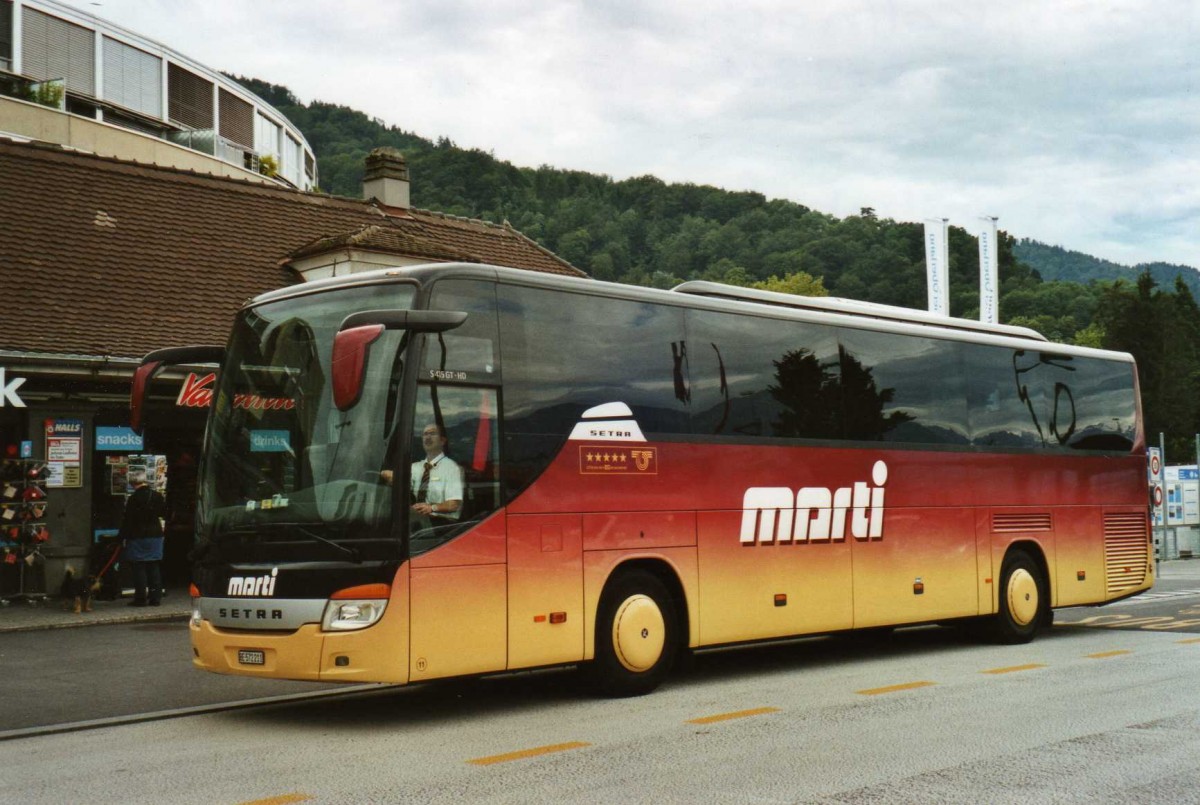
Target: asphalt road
[[1172, 606], [1102, 708], [1081, 715], [59, 676], [63, 676]]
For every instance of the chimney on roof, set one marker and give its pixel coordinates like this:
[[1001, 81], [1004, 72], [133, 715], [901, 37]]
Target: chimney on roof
[[386, 178]]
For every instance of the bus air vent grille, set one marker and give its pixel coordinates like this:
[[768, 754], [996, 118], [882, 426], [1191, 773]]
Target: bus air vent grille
[[1020, 521], [1126, 550]]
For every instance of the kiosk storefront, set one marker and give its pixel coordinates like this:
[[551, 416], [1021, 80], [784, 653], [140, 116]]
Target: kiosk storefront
[[75, 419]]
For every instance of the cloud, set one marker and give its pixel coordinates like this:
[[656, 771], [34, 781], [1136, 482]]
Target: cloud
[[1073, 121]]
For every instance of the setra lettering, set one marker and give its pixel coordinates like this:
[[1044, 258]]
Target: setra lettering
[[601, 433], [251, 614]]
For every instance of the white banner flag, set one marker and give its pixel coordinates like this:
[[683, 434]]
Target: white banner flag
[[989, 272], [937, 264]]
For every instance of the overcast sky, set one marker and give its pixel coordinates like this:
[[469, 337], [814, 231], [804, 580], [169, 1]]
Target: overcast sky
[[1077, 123]]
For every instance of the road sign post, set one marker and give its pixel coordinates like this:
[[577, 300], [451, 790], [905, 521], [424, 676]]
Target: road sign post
[[1154, 476]]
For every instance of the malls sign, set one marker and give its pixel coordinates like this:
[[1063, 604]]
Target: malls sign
[[64, 452]]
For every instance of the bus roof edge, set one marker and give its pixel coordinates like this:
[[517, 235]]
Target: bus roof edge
[[851, 307]]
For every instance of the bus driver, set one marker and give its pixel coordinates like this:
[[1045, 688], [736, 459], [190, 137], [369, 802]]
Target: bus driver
[[437, 482]]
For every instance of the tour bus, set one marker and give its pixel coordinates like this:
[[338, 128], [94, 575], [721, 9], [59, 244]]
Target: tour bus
[[438, 471]]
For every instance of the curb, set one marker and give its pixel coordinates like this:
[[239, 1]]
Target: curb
[[41, 627], [181, 712]]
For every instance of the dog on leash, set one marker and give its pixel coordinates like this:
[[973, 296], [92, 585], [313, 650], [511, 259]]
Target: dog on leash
[[77, 591]]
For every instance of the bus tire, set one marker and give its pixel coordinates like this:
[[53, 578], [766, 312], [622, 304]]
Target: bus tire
[[636, 635], [1024, 600]]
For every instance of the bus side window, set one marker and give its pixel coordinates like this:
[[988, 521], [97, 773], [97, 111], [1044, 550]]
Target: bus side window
[[1004, 404], [905, 390], [565, 353], [481, 472], [759, 378], [469, 353], [1105, 409]]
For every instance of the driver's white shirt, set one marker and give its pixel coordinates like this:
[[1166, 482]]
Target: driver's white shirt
[[445, 482]]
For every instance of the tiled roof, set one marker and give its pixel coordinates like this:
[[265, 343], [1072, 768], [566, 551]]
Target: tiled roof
[[484, 242], [383, 237], [104, 257]]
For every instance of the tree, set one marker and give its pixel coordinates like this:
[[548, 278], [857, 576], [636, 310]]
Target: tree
[[800, 284], [646, 231], [1161, 331]]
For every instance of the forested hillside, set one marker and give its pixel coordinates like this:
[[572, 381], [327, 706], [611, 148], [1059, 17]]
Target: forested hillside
[[1057, 263], [647, 232]]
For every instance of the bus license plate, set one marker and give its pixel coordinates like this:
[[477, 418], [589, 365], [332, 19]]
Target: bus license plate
[[252, 656]]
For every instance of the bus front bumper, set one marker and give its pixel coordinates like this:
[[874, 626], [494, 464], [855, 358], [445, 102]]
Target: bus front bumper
[[375, 654]]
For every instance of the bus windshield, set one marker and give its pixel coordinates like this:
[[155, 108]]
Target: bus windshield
[[287, 476]]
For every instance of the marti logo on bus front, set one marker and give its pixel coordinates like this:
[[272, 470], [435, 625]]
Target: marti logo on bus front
[[253, 585], [814, 513]]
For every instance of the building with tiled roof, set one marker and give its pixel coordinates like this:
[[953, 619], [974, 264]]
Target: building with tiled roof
[[96, 236], [103, 260]]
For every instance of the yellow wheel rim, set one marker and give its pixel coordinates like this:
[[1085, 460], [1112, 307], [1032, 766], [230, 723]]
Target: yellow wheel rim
[[1022, 597], [639, 633]]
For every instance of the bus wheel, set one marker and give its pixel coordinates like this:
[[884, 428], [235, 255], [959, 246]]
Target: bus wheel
[[636, 635], [1024, 600]]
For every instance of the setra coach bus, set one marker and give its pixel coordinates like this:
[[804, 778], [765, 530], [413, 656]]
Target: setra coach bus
[[438, 471]]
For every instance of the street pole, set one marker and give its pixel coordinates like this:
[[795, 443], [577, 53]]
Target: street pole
[[1162, 451]]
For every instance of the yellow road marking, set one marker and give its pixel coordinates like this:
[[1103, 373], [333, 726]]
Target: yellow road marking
[[894, 688], [524, 753], [1189, 640], [739, 714], [1013, 668], [1156, 623], [1104, 654], [282, 799], [1118, 620]]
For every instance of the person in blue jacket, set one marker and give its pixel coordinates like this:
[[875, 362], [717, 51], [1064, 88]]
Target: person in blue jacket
[[142, 537]]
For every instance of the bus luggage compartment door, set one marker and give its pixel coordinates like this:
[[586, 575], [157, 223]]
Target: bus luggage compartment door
[[458, 613], [545, 588], [923, 569]]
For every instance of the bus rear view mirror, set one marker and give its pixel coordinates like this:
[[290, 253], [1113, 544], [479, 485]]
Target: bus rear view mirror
[[350, 363], [155, 362], [416, 321], [359, 330]]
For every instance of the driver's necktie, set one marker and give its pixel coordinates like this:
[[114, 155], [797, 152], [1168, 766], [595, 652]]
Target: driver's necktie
[[423, 491]]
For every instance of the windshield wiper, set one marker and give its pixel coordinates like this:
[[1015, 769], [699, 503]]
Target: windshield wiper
[[301, 529], [351, 552]]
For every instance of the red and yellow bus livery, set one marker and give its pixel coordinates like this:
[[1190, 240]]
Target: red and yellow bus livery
[[481, 470]]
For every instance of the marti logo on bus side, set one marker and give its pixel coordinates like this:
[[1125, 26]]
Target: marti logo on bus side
[[774, 514]]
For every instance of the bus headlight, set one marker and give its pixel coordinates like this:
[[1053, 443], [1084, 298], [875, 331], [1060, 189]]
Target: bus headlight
[[342, 615], [194, 591]]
